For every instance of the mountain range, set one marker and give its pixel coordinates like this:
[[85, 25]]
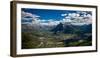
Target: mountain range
[[65, 28]]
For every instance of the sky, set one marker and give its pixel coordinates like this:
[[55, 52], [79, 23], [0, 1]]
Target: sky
[[48, 16]]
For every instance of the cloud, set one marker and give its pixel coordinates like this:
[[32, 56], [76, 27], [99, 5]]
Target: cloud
[[33, 17], [77, 15], [73, 18], [26, 18], [77, 19], [63, 14], [89, 15], [25, 14], [49, 22], [73, 14], [69, 14]]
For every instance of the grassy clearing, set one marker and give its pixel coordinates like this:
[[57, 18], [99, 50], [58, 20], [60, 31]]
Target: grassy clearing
[[44, 39]]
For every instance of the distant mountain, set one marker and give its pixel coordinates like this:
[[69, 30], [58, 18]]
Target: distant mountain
[[61, 27], [58, 28], [32, 27], [69, 28]]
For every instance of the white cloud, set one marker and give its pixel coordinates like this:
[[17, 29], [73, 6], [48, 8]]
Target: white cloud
[[70, 14], [26, 18], [84, 12], [67, 20], [84, 15], [77, 15], [67, 17], [49, 22], [89, 15], [25, 14], [73, 14], [33, 17], [63, 14], [77, 19]]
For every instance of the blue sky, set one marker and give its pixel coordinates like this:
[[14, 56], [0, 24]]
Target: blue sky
[[49, 14], [54, 15]]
